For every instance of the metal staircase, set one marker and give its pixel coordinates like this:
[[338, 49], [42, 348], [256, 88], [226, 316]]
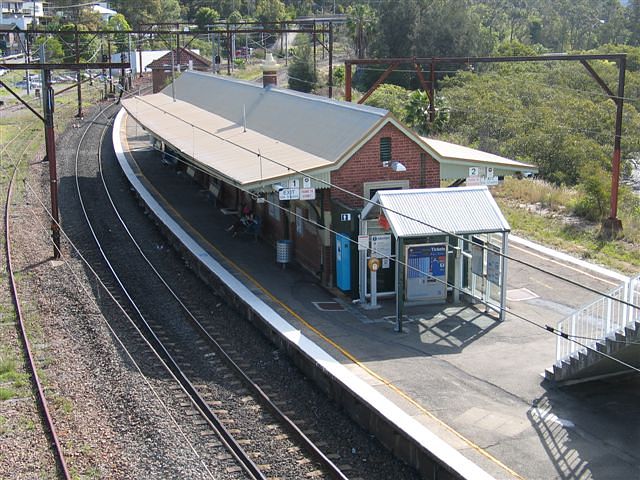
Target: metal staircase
[[606, 326]]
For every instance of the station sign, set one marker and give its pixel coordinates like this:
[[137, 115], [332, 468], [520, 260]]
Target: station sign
[[363, 243], [481, 176], [307, 194], [289, 194]]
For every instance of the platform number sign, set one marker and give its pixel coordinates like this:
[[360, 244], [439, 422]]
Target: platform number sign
[[345, 217], [474, 171]]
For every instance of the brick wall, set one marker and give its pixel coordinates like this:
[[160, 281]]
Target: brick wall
[[365, 166]]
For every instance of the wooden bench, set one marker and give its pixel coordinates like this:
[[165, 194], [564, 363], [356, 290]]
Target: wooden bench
[[253, 229]]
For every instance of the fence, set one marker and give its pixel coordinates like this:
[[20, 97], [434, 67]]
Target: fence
[[600, 318]]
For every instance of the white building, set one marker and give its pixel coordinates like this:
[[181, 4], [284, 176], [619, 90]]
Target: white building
[[22, 14]]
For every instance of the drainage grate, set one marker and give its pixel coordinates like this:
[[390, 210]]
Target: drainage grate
[[520, 295], [329, 306]]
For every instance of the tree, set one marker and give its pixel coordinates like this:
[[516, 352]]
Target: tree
[[302, 75], [140, 11], [361, 21], [121, 40], [53, 51], [418, 117], [271, 11], [392, 98], [167, 11], [206, 16], [633, 23]]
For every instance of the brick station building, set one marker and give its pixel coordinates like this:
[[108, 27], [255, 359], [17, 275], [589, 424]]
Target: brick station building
[[306, 164]]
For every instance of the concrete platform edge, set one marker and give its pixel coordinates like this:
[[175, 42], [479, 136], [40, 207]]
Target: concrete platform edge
[[389, 419]]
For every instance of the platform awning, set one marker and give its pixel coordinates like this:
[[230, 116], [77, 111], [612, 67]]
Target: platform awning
[[428, 212], [455, 160], [220, 147]]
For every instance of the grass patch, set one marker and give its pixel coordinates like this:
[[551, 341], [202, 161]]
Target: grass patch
[[63, 404], [6, 393], [582, 240], [28, 424], [546, 213]]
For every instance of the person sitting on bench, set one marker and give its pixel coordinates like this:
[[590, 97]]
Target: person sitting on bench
[[243, 223]]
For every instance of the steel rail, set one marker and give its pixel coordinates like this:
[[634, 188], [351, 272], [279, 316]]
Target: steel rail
[[200, 403], [288, 423], [40, 396]]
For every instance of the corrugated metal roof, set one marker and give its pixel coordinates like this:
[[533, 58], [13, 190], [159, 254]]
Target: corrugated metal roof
[[221, 146], [320, 126], [446, 152], [415, 213]]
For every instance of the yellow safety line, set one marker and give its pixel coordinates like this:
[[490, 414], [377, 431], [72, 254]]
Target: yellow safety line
[[341, 349]]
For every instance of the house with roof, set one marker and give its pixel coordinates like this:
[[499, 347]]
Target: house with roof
[[177, 60], [21, 13], [308, 165]]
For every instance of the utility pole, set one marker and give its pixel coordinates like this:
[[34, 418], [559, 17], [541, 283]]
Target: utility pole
[[78, 74], [47, 119], [50, 148]]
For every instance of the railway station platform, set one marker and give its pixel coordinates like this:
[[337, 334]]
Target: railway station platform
[[473, 383]]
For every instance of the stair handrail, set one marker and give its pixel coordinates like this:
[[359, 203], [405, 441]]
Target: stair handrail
[[602, 317]]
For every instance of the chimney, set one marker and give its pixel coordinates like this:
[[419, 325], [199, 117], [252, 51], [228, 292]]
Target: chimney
[[269, 71]]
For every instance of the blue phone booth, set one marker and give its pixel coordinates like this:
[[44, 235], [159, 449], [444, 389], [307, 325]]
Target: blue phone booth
[[343, 262]]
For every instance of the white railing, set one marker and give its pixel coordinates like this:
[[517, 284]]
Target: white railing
[[603, 317]]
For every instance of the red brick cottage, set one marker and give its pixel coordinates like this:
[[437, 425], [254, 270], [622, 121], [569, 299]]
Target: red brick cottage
[[307, 164]]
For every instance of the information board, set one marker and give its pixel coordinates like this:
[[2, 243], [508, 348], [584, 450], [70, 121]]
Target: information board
[[381, 247], [426, 272]]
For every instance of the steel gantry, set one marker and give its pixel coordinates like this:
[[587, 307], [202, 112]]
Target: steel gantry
[[47, 119], [612, 225]]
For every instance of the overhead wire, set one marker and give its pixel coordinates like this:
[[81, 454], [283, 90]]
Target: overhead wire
[[382, 255], [369, 201]]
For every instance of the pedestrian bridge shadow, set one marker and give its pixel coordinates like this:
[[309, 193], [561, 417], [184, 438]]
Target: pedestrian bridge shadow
[[590, 430]]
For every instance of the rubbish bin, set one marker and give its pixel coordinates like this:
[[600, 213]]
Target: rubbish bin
[[283, 252]]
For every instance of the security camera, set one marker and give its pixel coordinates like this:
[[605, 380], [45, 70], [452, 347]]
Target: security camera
[[277, 187]]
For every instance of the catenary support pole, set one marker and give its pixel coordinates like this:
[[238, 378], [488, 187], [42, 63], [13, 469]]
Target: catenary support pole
[[78, 73]]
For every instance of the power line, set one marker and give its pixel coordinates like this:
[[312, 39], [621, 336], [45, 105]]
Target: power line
[[369, 201], [556, 332]]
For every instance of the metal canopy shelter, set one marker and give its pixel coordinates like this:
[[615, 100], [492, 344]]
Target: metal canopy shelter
[[439, 239]]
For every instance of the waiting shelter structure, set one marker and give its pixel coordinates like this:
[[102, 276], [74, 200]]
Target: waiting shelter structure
[[432, 245]]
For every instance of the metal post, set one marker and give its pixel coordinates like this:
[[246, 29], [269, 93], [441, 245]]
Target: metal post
[[315, 58], [399, 284], [123, 83], [613, 224], [133, 70], [228, 51], [50, 146], [178, 45], [110, 72], [347, 81], [432, 92], [140, 58], [173, 69], [503, 276], [374, 289], [28, 60], [78, 74], [330, 59]]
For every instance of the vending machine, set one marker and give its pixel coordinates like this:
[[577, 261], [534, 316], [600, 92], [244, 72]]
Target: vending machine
[[426, 273]]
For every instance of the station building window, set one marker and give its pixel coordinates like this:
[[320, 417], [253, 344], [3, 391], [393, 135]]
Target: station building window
[[370, 188], [385, 149]]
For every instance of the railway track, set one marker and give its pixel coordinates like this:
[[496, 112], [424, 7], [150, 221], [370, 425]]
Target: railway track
[[239, 407], [41, 400], [253, 436]]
